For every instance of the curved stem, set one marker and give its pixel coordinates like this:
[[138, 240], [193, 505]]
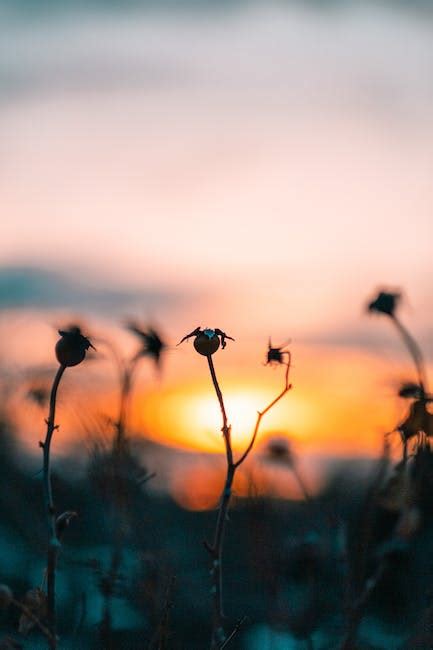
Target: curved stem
[[226, 427], [218, 635], [54, 544], [414, 351], [260, 414]]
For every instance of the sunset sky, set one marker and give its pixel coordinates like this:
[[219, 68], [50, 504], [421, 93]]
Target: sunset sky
[[262, 169]]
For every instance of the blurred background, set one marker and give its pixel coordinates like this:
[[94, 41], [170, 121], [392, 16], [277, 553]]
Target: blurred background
[[261, 167]]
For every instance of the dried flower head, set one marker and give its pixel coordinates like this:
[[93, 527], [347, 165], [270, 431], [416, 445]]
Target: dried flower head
[[419, 420], [38, 394], [410, 390], [151, 344], [207, 341], [385, 303], [71, 348], [278, 450], [276, 355]]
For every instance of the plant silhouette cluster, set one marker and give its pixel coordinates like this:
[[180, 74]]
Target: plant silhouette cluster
[[97, 554]]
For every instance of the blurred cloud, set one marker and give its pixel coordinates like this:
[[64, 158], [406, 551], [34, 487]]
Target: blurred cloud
[[359, 55], [22, 286]]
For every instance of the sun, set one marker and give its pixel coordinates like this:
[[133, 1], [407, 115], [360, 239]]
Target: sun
[[189, 415], [241, 409]]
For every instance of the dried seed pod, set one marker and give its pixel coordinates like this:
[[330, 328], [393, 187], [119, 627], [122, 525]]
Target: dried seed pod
[[71, 348], [206, 343]]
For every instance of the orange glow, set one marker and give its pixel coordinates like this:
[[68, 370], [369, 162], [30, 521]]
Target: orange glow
[[189, 416]]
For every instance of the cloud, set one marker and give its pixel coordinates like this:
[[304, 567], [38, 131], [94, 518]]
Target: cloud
[[26, 286]]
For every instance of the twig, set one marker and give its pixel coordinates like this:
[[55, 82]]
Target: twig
[[235, 630], [54, 543], [357, 609], [215, 549], [260, 414], [160, 640], [32, 617]]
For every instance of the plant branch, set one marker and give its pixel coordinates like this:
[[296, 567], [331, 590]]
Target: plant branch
[[260, 414], [215, 550], [54, 544], [34, 619], [233, 633]]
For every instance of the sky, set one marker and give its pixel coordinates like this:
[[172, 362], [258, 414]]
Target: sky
[[261, 168]]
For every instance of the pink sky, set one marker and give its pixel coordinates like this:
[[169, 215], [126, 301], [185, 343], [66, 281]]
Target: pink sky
[[271, 165]]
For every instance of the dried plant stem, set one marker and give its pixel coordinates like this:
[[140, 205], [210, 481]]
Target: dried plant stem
[[32, 617], [233, 633], [414, 351], [417, 357], [126, 382], [218, 638], [54, 544], [301, 483]]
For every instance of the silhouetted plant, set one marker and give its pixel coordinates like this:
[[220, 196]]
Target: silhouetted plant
[[279, 452], [70, 351], [116, 470], [33, 610], [206, 343], [418, 422]]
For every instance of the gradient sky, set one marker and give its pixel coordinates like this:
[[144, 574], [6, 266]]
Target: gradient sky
[[261, 168]]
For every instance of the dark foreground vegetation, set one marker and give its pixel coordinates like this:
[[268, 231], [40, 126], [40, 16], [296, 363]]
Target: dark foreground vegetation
[[93, 556]]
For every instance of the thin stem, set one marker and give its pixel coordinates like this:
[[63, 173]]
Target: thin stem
[[226, 427], [260, 414], [54, 543], [218, 636], [233, 633], [414, 351], [218, 639], [358, 608], [300, 481], [126, 380]]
